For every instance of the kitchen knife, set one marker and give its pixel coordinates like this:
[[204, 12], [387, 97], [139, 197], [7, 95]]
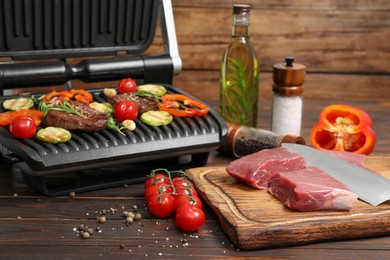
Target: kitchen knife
[[368, 185]]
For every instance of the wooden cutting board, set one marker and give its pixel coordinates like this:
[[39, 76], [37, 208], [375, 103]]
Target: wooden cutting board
[[254, 219]]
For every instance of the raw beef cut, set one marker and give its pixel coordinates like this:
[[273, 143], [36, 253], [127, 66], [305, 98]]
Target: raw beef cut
[[258, 168], [311, 189]]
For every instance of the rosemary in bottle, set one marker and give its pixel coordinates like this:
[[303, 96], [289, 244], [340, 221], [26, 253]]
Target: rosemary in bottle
[[239, 74]]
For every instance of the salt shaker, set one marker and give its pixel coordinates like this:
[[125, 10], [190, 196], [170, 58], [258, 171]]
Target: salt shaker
[[287, 98]]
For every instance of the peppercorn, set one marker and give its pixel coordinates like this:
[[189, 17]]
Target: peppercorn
[[130, 214], [102, 219], [137, 216], [85, 235]]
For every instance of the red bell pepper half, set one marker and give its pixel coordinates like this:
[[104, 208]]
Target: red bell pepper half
[[344, 128]]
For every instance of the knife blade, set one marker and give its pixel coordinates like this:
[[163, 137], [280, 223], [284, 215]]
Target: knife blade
[[368, 185]]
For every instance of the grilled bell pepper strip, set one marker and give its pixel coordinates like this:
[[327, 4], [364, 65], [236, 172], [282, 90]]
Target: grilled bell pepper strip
[[170, 103], [61, 94], [7, 117], [82, 95], [78, 94], [344, 128]]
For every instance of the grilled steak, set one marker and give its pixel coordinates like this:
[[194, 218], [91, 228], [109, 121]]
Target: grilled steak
[[311, 189], [90, 121], [258, 168], [143, 104]]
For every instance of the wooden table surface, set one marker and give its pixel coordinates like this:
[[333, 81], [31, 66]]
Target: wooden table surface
[[34, 226], [345, 49]]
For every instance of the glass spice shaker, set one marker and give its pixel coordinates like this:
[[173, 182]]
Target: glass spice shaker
[[239, 73], [287, 98], [244, 140]]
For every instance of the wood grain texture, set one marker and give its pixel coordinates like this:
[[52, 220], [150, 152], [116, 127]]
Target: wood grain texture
[[343, 44], [254, 219], [326, 37], [355, 30], [318, 86]]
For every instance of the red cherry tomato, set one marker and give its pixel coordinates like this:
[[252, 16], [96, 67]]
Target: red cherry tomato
[[156, 179], [180, 182], [185, 191], [189, 218], [185, 200], [163, 208], [127, 85], [125, 110], [22, 127], [157, 189]]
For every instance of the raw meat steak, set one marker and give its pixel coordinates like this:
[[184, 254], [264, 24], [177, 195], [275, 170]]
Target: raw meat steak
[[258, 168], [311, 189]]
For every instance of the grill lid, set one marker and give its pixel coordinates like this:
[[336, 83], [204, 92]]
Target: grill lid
[[46, 34], [33, 29]]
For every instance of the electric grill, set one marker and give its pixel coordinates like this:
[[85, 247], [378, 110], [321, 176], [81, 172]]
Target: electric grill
[[110, 38]]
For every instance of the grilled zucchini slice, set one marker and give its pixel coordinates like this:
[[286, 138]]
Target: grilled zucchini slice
[[20, 103], [53, 135], [156, 118], [104, 107], [152, 89]]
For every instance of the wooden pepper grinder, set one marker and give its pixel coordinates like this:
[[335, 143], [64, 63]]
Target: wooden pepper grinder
[[287, 98]]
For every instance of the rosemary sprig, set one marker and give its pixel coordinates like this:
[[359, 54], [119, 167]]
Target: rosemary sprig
[[238, 90], [114, 125], [147, 94], [63, 106]]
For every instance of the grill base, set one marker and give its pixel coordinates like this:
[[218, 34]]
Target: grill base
[[101, 178], [91, 161]]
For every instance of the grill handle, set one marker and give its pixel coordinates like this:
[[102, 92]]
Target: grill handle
[[157, 68]]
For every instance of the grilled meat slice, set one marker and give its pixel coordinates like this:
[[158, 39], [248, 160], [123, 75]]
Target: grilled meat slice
[[90, 120], [143, 104]]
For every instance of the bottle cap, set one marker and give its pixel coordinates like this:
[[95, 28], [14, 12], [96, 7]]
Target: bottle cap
[[288, 77], [241, 9]]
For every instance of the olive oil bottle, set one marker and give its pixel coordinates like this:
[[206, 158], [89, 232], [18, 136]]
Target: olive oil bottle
[[239, 75]]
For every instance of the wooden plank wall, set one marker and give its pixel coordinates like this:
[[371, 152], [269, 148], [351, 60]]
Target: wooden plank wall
[[344, 44]]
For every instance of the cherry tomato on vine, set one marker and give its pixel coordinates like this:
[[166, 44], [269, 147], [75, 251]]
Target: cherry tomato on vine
[[180, 191], [157, 179], [155, 189], [189, 218], [127, 85], [163, 208], [180, 182], [125, 110], [185, 200], [22, 127]]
